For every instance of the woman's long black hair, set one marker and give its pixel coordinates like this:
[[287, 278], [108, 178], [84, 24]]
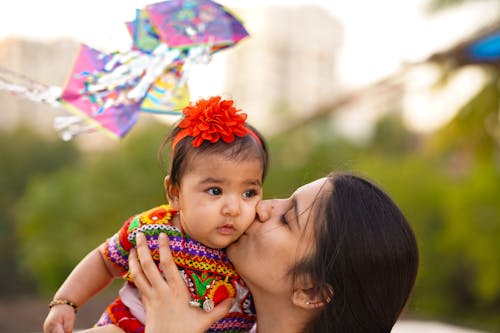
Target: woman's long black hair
[[365, 258]]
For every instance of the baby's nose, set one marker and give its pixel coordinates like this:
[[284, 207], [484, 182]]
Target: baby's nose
[[231, 207]]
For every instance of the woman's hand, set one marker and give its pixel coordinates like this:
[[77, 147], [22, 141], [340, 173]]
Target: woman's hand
[[165, 296]]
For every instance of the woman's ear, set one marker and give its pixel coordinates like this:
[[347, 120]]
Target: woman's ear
[[172, 192], [311, 298]]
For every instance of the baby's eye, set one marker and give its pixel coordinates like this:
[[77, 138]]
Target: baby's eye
[[284, 220], [249, 193], [214, 191]]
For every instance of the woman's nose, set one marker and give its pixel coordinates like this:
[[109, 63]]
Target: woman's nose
[[266, 208]]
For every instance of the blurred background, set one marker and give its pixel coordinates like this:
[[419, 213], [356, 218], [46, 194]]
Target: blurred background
[[406, 93]]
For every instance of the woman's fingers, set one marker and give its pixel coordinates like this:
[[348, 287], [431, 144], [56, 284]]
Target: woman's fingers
[[149, 270], [146, 261], [167, 302], [220, 310], [167, 264], [140, 279]]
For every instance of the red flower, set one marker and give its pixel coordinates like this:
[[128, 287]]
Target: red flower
[[211, 120]]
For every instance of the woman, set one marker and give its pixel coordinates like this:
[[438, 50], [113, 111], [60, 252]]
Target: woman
[[337, 256]]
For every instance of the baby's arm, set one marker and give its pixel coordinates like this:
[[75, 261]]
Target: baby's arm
[[90, 276]]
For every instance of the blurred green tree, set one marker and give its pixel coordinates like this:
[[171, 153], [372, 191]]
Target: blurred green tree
[[26, 157], [66, 214], [439, 5]]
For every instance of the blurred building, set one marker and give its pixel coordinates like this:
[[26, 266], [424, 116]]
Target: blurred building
[[288, 63], [45, 62]]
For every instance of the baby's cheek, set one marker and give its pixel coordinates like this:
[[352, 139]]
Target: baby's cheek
[[250, 217]]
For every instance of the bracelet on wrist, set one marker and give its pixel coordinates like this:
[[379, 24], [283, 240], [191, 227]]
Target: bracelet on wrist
[[62, 302]]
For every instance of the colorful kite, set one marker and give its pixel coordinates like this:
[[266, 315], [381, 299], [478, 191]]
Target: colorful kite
[[186, 24], [107, 91]]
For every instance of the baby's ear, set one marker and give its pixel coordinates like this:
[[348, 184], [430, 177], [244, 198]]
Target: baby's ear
[[172, 192]]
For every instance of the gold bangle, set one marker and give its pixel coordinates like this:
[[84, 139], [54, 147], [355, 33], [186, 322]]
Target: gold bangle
[[62, 301]]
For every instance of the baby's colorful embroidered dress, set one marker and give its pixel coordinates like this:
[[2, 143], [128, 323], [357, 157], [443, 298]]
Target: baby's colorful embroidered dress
[[207, 272]]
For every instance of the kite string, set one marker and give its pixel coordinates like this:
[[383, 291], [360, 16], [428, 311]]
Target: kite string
[[67, 126], [22, 86]]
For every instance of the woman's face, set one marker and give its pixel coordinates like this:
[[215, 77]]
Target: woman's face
[[268, 250]]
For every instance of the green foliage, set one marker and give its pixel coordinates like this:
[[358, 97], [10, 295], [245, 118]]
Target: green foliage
[[25, 158], [475, 128], [435, 6], [66, 214]]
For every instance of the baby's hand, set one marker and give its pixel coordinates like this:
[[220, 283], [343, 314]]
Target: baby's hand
[[61, 319]]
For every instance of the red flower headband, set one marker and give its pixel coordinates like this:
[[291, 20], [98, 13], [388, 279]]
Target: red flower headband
[[212, 120]]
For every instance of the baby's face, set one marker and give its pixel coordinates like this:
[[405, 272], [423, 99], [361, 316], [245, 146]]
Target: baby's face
[[217, 198]]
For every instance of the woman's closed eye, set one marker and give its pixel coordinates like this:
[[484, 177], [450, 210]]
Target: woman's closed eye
[[288, 216], [284, 221]]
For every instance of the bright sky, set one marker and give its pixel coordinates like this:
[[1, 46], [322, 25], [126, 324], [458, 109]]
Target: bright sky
[[385, 31], [379, 35]]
